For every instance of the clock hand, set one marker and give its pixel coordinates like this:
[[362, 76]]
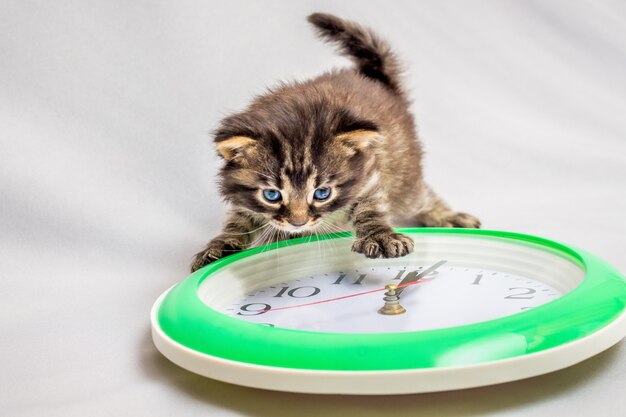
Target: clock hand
[[413, 277], [392, 296], [344, 297]]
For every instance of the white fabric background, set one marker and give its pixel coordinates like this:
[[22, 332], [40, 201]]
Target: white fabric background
[[107, 177]]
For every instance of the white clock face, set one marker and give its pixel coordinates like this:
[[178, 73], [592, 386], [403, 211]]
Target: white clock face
[[348, 301], [474, 279]]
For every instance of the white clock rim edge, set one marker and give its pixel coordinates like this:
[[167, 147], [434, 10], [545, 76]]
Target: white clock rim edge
[[406, 381]]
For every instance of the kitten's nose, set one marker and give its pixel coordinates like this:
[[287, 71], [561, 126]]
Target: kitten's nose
[[298, 222]]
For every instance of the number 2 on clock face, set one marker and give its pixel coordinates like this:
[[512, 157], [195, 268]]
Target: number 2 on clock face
[[348, 301]]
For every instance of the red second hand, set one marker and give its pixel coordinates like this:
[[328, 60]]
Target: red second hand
[[345, 296]]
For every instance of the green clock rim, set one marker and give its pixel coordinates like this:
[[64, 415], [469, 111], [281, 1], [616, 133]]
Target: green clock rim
[[597, 301]]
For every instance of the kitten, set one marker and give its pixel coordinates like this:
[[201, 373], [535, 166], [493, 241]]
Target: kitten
[[340, 149]]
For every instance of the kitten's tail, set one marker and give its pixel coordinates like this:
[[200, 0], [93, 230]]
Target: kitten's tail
[[372, 55]]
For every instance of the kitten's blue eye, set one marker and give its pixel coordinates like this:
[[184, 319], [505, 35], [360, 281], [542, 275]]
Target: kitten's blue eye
[[321, 193], [272, 195]]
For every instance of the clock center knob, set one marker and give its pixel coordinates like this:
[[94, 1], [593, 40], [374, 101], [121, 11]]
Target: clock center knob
[[392, 302]]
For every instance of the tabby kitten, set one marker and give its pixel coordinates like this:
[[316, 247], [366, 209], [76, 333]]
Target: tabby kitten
[[339, 149]]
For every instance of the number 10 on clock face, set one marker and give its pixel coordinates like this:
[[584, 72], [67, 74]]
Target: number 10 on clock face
[[348, 300]]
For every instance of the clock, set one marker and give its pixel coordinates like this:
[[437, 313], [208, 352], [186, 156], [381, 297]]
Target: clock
[[467, 308]]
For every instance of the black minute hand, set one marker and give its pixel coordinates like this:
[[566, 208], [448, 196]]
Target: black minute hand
[[414, 276]]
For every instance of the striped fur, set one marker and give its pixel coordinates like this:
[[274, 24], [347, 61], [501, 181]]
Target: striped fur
[[349, 130]]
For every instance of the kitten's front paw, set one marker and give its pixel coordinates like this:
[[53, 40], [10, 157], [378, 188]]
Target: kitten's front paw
[[458, 219], [386, 245], [448, 218], [216, 249]]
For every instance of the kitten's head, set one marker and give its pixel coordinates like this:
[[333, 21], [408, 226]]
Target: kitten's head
[[295, 162]]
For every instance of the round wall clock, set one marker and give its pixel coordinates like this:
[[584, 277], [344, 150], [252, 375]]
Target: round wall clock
[[468, 308]]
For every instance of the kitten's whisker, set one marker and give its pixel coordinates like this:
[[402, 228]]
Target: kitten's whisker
[[279, 237], [260, 240], [271, 246], [251, 231], [331, 228], [335, 243], [329, 242], [270, 239], [260, 231], [336, 231], [317, 238], [327, 246], [320, 243]]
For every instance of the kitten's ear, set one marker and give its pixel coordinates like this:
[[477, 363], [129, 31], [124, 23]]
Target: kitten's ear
[[355, 133], [233, 146], [359, 139]]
